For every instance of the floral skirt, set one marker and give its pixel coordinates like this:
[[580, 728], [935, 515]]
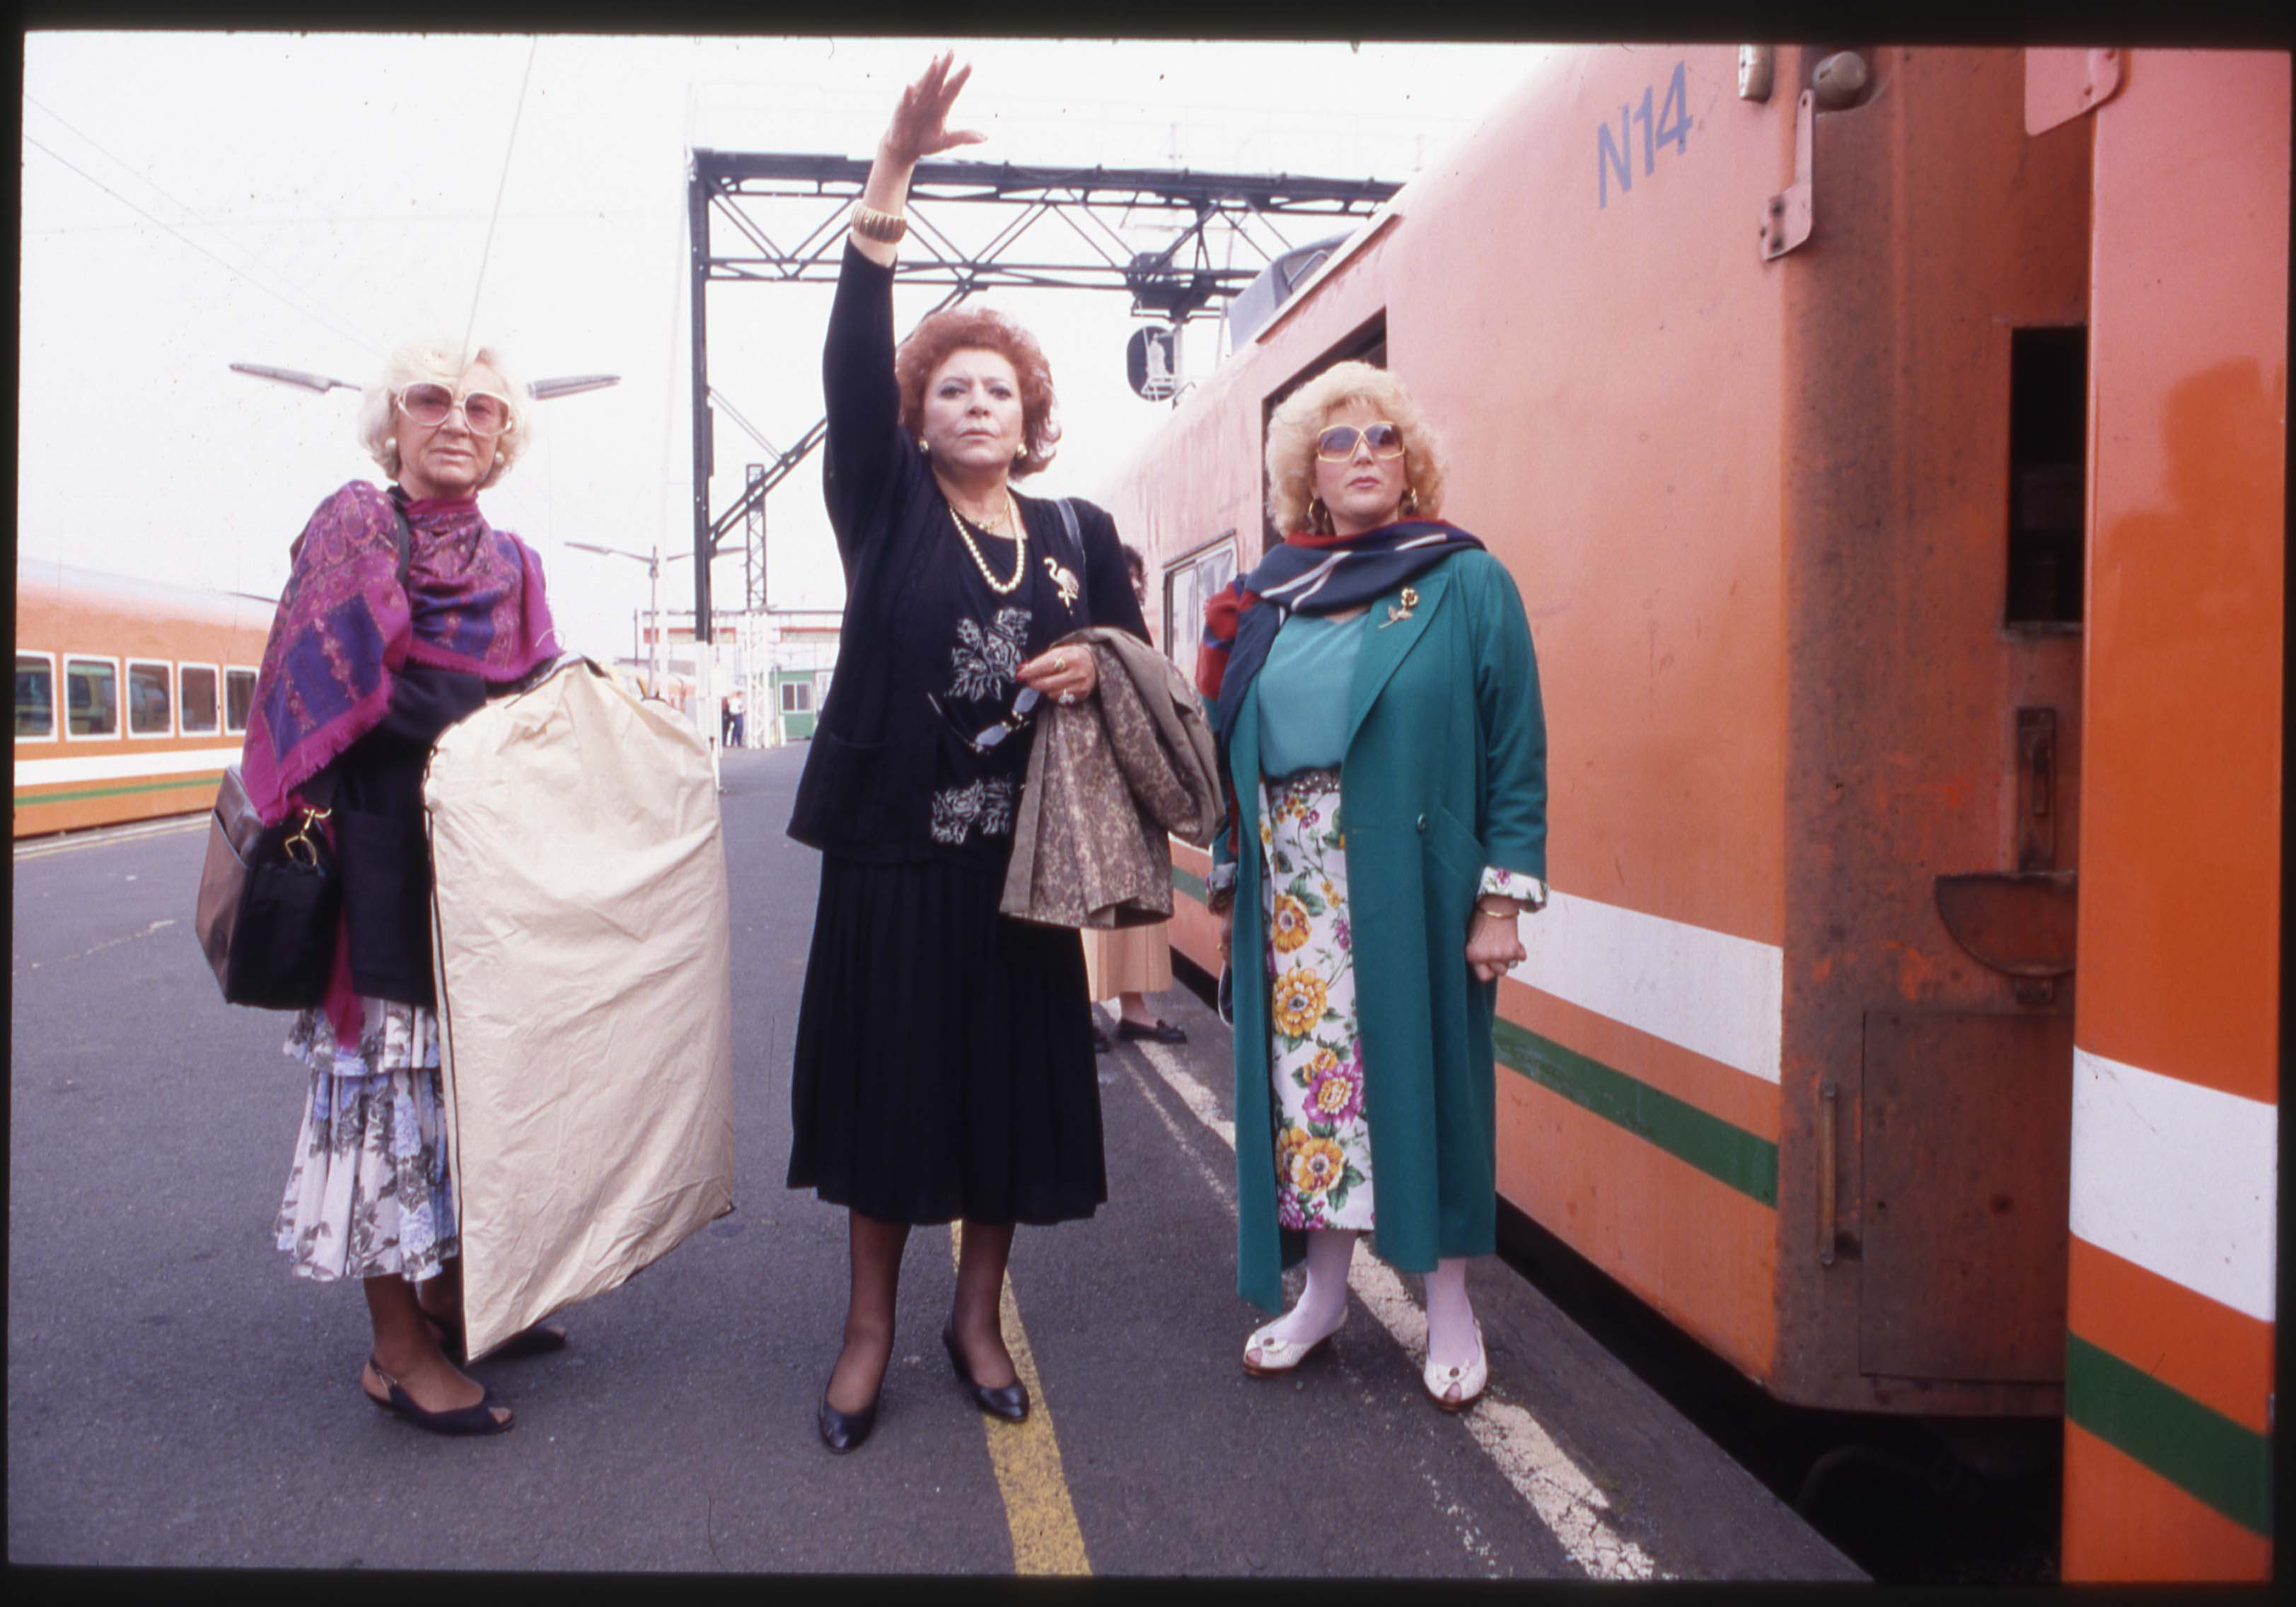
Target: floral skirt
[[368, 1193], [1323, 1137]]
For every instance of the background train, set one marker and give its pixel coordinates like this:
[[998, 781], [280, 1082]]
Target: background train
[[1890, 446], [131, 696]]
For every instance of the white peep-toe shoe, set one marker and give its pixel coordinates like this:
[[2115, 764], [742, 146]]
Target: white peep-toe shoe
[[1471, 1380], [1265, 1356]]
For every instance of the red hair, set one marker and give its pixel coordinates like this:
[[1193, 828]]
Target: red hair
[[981, 329]]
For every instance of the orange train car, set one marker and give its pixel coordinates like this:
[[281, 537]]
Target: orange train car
[[131, 695], [1767, 372]]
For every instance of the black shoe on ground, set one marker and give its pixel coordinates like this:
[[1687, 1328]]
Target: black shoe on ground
[[1161, 1032]]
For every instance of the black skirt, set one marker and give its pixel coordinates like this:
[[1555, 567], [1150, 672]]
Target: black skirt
[[944, 1059]]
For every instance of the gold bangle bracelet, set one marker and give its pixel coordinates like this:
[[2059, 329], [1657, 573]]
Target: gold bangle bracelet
[[1498, 915], [871, 223]]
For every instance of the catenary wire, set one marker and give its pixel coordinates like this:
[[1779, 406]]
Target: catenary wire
[[502, 184], [246, 270], [235, 270]]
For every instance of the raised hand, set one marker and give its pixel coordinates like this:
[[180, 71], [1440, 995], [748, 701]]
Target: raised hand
[[920, 126]]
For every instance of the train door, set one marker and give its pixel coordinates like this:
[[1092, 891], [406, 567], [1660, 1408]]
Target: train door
[[2171, 1310], [1934, 305]]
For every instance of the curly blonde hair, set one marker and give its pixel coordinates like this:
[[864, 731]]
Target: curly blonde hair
[[440, 361], [1293, 430]]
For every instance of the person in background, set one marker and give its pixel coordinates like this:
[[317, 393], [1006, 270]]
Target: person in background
[[1127, 964], [1376, 702], [360, 676], [943, 1068]]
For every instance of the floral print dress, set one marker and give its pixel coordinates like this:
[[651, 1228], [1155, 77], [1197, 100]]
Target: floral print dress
[[1323, 1132], [1322, 1140], [368, 1193]]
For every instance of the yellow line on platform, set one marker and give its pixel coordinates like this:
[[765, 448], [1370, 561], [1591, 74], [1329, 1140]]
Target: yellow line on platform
[[1026, 1457]]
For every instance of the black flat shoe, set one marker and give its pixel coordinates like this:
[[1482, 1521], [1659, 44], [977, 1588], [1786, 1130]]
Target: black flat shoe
[[1159, 1032], [1009, 1402], [843, 1431], [1100, 1043], [475, 1419]]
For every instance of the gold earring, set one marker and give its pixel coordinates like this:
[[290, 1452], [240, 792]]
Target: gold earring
[[1319, 517], [1410, 502]]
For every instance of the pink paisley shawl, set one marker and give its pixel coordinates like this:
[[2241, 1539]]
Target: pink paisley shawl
[[473, 602]]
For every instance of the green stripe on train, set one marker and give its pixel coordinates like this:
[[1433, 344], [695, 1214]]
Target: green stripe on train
[[1730, 1154], [197, 779], [2199, 1450], [1189, 882]]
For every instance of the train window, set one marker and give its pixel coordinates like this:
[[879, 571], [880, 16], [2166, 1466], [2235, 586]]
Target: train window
[[1367, 343], [238, 700], [150, 703], [1188, 585], [797, 697], [196, 700], [2048, 454], [36, 695], [91, 696]]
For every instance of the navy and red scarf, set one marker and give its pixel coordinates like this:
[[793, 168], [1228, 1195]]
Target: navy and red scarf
[[1308, 575]]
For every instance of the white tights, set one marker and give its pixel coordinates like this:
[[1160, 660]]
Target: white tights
[[1450, 1317]]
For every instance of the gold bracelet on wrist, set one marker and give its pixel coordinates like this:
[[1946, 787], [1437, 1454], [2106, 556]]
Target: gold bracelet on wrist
[[1498, 915], [871, 223]]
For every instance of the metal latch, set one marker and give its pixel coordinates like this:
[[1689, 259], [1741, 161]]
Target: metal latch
[[1786, 219]]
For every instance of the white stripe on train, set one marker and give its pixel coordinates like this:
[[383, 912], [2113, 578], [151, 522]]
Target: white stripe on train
[[2180, 1179], [1715, 994], [117, 766]]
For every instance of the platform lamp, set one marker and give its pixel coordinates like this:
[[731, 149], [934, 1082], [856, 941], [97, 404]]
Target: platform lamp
[[653, 561]]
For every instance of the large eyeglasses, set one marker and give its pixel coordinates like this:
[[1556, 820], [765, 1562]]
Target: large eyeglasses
[[998, 729], [487, 412], [1338, 444]]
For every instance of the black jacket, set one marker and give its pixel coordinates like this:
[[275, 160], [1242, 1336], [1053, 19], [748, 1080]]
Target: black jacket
[[379, 836], [866, 790]]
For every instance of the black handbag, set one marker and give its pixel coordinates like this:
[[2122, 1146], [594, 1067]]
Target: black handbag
[[270, 899]]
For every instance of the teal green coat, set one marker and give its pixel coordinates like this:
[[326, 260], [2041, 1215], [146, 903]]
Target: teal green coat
[[1445, 773]]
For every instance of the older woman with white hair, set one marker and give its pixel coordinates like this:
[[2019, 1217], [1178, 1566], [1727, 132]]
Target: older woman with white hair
[[1376, 700], [404, 610]]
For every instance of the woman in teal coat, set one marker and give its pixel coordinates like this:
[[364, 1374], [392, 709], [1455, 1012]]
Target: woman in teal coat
[[1377, 703]]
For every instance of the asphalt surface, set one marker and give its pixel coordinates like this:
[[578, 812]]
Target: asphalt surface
[[175, 1398]]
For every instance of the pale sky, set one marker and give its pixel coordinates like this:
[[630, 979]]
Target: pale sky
[[328, 196]]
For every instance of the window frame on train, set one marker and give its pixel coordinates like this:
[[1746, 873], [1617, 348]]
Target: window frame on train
[[47, 666], [1183, 628], [232, 672], [128, 700], [214, 726], [118, 721]]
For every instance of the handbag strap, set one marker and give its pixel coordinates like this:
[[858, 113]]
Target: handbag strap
[[1076, 540], [405, 537]]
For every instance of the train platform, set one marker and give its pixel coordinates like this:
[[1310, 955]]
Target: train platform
[[175, 1398]]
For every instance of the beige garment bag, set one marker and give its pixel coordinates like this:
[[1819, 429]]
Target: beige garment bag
[[581, 949]]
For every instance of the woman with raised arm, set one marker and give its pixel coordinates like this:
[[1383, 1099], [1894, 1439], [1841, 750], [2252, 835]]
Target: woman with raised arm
[[944, 1065], [1377, 706]]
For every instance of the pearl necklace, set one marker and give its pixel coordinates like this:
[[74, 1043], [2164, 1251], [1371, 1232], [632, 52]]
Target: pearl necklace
[[1003, 588]]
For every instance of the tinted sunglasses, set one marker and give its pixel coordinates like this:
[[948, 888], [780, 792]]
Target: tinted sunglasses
[[998, 729], [1338, 444], [485, 412]]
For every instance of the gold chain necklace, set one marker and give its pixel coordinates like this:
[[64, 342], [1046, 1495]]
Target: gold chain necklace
[[1003, 588]]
